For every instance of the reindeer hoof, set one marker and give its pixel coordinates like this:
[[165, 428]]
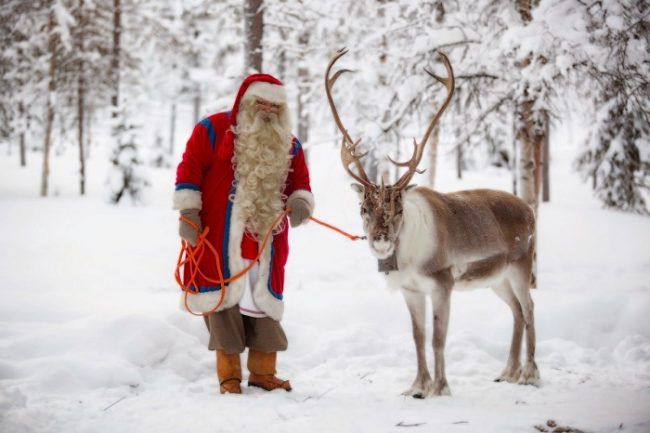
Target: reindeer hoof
[[420, 389], [441, 388], [530, 374], [415, 393], [510, 375]]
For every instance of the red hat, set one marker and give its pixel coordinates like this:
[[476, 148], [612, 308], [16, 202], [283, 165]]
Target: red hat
[[263, 86]]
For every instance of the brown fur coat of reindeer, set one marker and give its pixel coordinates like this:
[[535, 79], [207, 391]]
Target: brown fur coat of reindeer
[[441, 242]]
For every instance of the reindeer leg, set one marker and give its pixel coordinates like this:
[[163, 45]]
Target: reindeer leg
[[441, 299], [513, 367], [520, 283], [422, 385]]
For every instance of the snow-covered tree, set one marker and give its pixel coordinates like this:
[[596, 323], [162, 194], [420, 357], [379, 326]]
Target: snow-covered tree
[[127, 175], [85, 71], [21, 70], [617, 155], [292, 51]]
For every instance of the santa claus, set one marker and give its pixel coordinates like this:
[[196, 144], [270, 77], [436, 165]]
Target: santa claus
[[240, 169]]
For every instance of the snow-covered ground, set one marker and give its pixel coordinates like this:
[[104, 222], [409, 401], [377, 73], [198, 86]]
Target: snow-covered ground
[[91, 339]]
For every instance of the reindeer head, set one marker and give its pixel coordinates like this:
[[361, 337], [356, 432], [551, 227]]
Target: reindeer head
[[381, 211], [382, 205]]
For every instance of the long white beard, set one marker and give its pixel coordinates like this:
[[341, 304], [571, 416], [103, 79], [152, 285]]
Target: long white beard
[[262, 161]]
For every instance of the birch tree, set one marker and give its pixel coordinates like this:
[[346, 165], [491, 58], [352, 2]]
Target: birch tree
[[254, 32]]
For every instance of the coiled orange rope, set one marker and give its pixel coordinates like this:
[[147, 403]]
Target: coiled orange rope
[[191, 257]]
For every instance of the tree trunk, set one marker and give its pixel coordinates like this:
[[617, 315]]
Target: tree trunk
[[282, 55], [253, 32], [80, 117], [21, 140], [115, 60], [384, 174], [459, 161], [594, 179], [88, 144], [398, 157], [527, 155], [530, 139], [515, 158], [197, 92], [172, 129], [433, 155], [528, 187], [49, 107], [459, 149], [197, 103], [81, 88], [546, 160], [439, 12], [303, 84], [23, 152]]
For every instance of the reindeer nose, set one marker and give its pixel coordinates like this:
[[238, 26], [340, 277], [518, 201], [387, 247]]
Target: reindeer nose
[[381, 245]]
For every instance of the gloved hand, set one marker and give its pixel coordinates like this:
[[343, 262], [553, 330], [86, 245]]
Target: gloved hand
[[300, 210], [185, 230]]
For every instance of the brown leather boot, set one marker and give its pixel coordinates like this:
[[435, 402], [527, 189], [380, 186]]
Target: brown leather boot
[[229, 372], [261, 366]]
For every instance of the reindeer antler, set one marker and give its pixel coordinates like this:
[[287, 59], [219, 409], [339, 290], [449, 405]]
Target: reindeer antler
[[349, 153], [418, 148]]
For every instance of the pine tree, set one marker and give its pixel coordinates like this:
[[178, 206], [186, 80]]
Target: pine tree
[[127, 176], [19, 74], [617, 156]]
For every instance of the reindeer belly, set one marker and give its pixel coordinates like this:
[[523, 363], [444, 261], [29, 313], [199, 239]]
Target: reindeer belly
[[480, 273]]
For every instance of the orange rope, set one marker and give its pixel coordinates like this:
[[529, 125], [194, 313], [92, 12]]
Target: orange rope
[[338, 230], [191, 256]]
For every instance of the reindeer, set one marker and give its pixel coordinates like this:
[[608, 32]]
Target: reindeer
[[434, 243]]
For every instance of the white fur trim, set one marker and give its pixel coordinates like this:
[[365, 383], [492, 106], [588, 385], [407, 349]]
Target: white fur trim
[[267, 91], [268, 303], [187, 199], [235, 261], [201, 302], [304, 195]]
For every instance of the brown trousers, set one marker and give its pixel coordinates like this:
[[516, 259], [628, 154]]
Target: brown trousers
[[232, 332]]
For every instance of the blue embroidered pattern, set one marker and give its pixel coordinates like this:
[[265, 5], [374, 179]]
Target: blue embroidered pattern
[[269, 285], [297, 145], [191, 186], [226, 234], [212, 135]]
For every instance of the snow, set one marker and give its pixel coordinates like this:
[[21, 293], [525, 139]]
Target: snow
[[92, 339]]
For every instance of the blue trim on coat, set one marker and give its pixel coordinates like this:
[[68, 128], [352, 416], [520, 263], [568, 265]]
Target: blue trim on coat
[[226, 235], [212, 135], [191, 186], [269, 285], [297, 145]]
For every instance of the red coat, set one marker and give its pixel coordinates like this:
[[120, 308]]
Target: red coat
[[207, 171]]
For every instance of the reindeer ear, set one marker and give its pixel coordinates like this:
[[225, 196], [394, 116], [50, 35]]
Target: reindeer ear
[[358, 188]]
